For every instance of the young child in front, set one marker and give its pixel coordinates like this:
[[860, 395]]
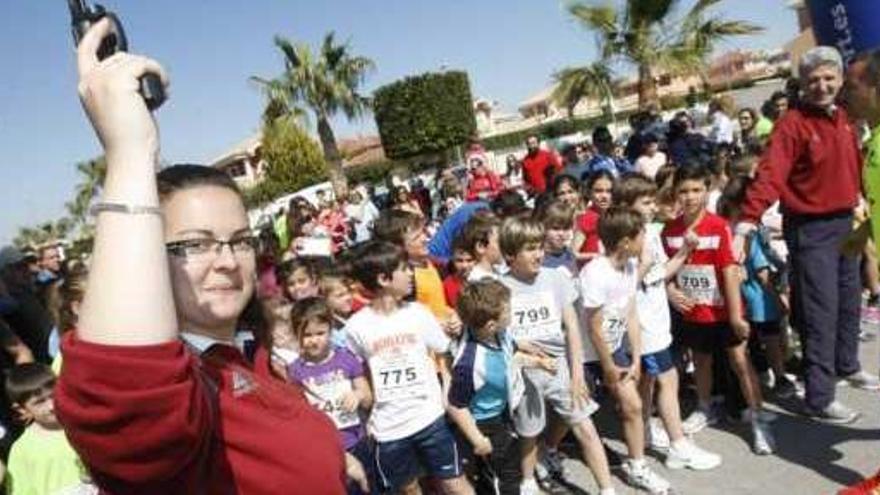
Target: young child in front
[[763, 304], [333, 381], [543, 319], [395, 338], [706, 291], [608, 290], [487, 386], [652, 307], [41, 460]]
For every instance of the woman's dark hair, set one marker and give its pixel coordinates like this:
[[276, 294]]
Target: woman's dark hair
[[565, 179], [187, 175], [599, 174], [733, 195]]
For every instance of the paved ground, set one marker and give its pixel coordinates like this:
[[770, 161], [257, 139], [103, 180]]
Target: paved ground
[[812, 458]]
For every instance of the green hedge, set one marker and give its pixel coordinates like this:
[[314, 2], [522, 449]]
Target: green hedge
[[424, 114], [551, 130]]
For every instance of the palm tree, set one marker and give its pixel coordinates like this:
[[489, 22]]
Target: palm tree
[[576, 83], [326, 82], [46, 232], [646, 33], [92, 174]]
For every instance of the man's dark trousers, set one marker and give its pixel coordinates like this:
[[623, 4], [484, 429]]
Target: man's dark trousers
[[826, 290]]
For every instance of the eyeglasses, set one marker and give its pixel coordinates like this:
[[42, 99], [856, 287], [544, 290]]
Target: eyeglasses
[[209, 247]]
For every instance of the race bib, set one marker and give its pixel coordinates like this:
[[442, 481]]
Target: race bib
[[399, 374], [698, 282], [328, 397], [534, 317], [613, 328]]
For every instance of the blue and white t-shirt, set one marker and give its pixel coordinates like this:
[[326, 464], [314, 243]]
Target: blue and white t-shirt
[[484, 378]]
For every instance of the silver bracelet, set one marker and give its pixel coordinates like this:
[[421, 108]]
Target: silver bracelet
[[125, 208]]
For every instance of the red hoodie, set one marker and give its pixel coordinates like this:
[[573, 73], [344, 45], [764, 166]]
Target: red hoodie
[[812, 165], [145, 420]]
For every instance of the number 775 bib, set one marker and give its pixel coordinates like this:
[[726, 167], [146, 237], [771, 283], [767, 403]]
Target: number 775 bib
[[398, 375]]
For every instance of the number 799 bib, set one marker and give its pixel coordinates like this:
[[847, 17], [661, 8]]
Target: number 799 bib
[[534, 316]]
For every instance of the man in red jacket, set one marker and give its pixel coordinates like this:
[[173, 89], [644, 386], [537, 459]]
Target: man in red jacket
[[813, 167], [538, 165]]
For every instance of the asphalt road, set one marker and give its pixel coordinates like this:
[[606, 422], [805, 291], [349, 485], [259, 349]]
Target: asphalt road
[[811, 458]]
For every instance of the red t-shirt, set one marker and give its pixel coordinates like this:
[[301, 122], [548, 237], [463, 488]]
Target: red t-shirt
[[143, 419], [452, 285], [588, 224], [535, 169], [702, 276], [485, 186]]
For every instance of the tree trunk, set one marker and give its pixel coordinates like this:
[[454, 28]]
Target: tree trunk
[[331, 153], [647, 86]]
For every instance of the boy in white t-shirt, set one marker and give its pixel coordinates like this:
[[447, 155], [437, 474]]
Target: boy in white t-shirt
[[395, 338], [608, 290], [543, 320], [652, 306]]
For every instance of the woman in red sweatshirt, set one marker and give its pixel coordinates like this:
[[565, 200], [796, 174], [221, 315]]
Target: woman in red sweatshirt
[[154, 394], [483, 183]]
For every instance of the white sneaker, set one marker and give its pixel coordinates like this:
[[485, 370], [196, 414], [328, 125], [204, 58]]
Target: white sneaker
[[656, 436], [763, 442], [698, 420], [529, 487], [641, 476], [686, 454]]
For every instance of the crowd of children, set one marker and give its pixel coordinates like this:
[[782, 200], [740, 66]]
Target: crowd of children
[[467, 376]]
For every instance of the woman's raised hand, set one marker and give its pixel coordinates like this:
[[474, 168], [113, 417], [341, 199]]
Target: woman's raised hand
[[109, 91]]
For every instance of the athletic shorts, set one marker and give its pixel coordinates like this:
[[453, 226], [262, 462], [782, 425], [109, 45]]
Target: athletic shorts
[[767, 328], [543, 387], [657, 363], [431, 451], [593, 370], [706, 338]]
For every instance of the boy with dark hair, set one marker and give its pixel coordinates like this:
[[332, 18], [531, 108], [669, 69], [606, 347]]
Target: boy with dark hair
[[487, 385], [652, 307], [707, 293], [608, 289], [460, 267], [395, 338], [41, 460], [543, 317], [407, 230]]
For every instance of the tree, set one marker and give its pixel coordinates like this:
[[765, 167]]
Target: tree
[[647, 34], [577, 83], [44, 233], [326, 81], [424, 114], [293, 161], [92, 174]]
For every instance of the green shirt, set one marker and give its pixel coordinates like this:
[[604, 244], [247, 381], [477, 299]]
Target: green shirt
[[763, 127], [42, 462], [871, 180]]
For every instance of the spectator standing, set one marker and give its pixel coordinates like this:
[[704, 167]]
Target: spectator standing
[[812, 165], [605, 158], [538, 165]]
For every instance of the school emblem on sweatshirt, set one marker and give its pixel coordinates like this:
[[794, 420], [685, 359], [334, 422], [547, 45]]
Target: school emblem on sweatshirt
[[241, 384]]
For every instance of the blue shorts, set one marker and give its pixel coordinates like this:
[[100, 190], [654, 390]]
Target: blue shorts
[[593, 370], [657, 363], [431, 451]]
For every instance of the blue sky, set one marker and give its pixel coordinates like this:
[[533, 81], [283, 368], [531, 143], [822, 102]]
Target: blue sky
[[508, 47]]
